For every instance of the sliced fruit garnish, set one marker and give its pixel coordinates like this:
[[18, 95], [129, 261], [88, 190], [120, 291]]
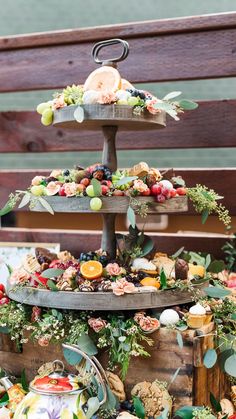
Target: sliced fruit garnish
[[104, 79], [196, 270], [150, 282], [91, 269], [125, 84]]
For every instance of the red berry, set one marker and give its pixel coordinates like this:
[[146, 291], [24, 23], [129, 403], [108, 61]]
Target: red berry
[[4, 300], [173, 193], [155, 189], [2, 288], [117, 192], [105, 189], [161, 198], [165, 192], [85, 181], [1, 295], [54, 263], [62, 191], [147, 192], [181, 191], [107, 183]]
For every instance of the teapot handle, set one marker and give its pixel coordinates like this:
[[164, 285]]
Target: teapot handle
[[96, 366]]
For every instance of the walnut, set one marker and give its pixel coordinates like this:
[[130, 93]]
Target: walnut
[[65, 256], [116, 385], [154, 397]]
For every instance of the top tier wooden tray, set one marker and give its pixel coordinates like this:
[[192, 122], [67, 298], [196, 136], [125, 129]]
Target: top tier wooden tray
[[96, 116]]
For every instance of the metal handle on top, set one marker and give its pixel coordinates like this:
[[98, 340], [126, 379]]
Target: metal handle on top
[[102, 44]]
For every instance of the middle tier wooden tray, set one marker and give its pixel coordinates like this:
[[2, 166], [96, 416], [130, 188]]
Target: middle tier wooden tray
[[100, 301], [115, 205]]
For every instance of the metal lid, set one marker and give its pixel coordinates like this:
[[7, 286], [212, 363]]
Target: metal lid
[[57, 382]]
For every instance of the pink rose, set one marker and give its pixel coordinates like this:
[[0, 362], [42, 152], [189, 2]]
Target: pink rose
[[52, 188], [150, 106], [71, 189], [55, 173], [97, 324], [139, 185], [106, 98], [139, 315], [231, 283], [43, 341], [37, 180], [58, 102], [19, 276], [121, 287], [113, 269]]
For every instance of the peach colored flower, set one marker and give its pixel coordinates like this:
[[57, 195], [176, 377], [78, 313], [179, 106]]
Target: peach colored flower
[[139, 315], [151, 108], [121, 287], [69, 273], [97, 324], [106, 98], [19, 276], [37, 180], [113, 269], [148, 323], [55, 173], [139, 185], [43, 341], [71, 189], [58, 102], [52, 188]]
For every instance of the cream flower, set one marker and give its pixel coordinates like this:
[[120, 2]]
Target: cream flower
[[106, 98], [150, 106], [55, 173], [139, 185], [52, 188], [71, 189], [37, 180]]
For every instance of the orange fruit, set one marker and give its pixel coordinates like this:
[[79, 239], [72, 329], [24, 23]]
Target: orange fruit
[[197, 270], [91, 269], [149, 272], [150, 282], [104, 79], [125, 84]]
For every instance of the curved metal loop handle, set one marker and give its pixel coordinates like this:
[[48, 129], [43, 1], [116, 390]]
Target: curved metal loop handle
[[102, 44], [95, 365], [58, 365]]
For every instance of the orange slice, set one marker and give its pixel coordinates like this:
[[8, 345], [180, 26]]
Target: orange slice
[[125, 84], [91, 269], [196, 270], [150, 282], [104, 79]]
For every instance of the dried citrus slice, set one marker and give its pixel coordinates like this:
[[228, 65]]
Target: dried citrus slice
[[91, 269], [154, 273], [150, 282], [104, 79], [125, 84], [196, 270]]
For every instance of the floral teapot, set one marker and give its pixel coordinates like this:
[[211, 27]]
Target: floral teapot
[[59, 395]]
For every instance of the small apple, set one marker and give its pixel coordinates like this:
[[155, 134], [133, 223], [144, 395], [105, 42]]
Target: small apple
[[105, 189], [181, 191], [62, 191], [147, 192], [155, 189], [85, 181], [117, 192]]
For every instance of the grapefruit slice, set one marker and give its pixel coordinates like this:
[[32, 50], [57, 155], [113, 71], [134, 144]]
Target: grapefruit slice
[[104, 79], [125, 84], [91, 269], [150, 282]]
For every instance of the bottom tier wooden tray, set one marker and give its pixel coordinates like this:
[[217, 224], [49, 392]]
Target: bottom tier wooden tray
[[102, 301]]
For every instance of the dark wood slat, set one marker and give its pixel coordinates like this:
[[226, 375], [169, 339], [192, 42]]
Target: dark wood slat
[[216, 179], [181, 56], [83, 241], [132, 29], [211, 125]]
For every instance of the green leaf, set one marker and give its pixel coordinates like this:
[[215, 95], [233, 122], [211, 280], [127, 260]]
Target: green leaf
[[180, 340], [52, 286], [4, 400], [207, 261], [131, 216], [204, 215], [174, 376], [230, 365], [79, 114], [96, 187], [164, 414], [181, 327], [71, 357], [163, 279], [216, 292], [4, 330], [125, 180], [52, 273], [86, 344], [147, 246], [233, 316], [216, 266], [186, 412], [215, 404], [24, 381], [139, 407], [93, 406], [46, 205], [171, 95], [187, 105], [112, 402], [210, 358], [8, 207], [25, 200], [178, 253], [75, 416]]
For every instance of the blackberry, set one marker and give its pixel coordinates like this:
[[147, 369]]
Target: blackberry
[[127, 405], [87, 256], [66, 172], [103, 259], [50, 179], [141, 94]]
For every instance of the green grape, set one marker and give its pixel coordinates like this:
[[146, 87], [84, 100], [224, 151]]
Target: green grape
[[37, 190], [122, 102], [90, 191], [96, 204], [133, 101], [42, 107], [47, 117]]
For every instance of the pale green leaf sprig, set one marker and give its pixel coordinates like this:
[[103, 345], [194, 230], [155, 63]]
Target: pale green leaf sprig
[[173, 108], [205, 202]]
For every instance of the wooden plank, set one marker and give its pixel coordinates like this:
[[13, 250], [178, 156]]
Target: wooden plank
[[217, 179], [83, 241], [211, 125], [132, 29], [181, 56]]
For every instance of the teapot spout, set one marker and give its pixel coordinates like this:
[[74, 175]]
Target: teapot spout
[[6, 383]]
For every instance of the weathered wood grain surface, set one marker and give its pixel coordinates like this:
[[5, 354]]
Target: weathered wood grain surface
[[211, 125], [193, 51]]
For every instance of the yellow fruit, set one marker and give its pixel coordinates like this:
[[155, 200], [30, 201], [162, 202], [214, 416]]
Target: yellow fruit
[[154, 273], [150, 282], [104, 79], [196, 270], [91, 269], [125, 84]]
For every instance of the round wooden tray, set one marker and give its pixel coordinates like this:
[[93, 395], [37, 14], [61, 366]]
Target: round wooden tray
[[108, 115], [116, 204], [100, 301]]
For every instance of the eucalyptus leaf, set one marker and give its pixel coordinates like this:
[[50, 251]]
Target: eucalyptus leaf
[[131, 216], [223, 356], [216, 266], [230, 365], [186, 412], [93, 406], [207, 261], [79, 114], [86, 344], [52, 273], [182, 327], [233, 316], [96, 187], [210, 358], [46, 205], [204, 216], [112, 402], [215, 404], [174, 376], [164, 414], [216, 292], [25, 200], [180, 340], [52, 286], [139, 407], [71, 357], [8, 207], [4, 330], [171, 95], [187, 105], [147, 246], [125, 180], [178, 253]]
